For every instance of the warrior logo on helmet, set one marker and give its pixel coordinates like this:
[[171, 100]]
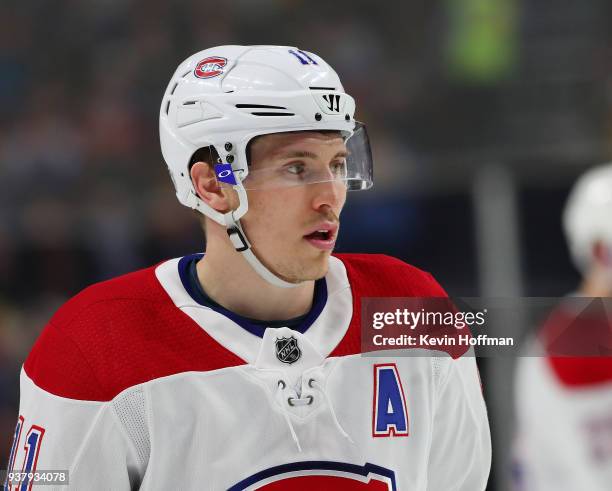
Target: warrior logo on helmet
[[210, 67]]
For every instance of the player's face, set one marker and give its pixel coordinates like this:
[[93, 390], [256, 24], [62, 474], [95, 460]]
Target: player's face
[[293, 226]]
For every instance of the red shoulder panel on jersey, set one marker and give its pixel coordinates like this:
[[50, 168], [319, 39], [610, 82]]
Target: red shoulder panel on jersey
[[117, 334], [582, 372], [573, 335], [378, 275]]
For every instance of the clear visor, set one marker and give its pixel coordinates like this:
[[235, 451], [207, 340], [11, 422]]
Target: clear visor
[[353, 170]]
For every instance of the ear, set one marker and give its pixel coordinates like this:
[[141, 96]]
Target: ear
[[601, 253], [208, 189]]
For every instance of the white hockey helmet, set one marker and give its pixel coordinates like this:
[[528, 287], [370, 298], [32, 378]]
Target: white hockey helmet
[[587, 217], [225, 96]]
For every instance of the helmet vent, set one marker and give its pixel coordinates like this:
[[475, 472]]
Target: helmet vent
[[322, 88], [272, 114], [189, 103], [264, 113], [258, 106], [167, 106], [186, 73], [174, 88]]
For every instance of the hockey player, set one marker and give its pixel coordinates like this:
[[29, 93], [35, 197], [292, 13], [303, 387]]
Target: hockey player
[[241, 368], [564, 388]]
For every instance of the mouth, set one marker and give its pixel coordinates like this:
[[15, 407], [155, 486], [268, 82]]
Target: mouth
[[323, 237]]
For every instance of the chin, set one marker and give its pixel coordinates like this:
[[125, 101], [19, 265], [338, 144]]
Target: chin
[[307, 270], [319, 267], [320, 273]]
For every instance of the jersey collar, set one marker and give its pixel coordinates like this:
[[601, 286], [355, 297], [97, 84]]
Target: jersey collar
[[324, 326], [254, 327]]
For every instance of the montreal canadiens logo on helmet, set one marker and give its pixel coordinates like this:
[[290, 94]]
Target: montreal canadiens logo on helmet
[[210, 67]]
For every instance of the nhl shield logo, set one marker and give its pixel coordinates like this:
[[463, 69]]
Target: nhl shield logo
[[287, 350]]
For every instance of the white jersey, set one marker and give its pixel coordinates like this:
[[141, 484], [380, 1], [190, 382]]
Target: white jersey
[[564, 411], [135, 385]]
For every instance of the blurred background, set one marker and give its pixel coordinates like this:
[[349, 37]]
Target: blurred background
[[481, 114]]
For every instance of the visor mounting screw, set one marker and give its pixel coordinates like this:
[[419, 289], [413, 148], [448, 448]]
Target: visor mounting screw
[[230, 159], [228, 146], [318, 116], [347, 117]]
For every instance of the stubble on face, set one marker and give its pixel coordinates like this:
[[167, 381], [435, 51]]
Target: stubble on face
[[281, 246]]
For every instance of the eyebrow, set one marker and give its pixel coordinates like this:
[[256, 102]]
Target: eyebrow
[[309, 155]]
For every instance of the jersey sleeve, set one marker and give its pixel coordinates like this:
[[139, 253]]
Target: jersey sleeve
[[58, 431], [564, 419], [460, 455]]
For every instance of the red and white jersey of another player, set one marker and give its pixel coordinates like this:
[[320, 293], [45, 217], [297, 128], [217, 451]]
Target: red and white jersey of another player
[[135, 385], [564, 406]]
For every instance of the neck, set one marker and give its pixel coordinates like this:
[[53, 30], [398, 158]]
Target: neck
[[598, 283], [229, 280]]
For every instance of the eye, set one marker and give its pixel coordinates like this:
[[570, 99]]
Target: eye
[[339, 168], [296, 168]]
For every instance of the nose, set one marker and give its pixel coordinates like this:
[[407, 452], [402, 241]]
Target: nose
[[330, 194]]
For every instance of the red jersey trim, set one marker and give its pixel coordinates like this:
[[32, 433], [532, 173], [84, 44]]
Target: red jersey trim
[[127, 331], [578, 327], [378, 275], [575, 372]]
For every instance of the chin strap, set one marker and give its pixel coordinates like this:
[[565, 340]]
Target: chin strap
[[242, 245]]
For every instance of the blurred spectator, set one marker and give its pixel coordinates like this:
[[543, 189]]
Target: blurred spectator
[[564, 383]]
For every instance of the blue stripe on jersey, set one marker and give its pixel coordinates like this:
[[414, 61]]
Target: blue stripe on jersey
[[301, 324]]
